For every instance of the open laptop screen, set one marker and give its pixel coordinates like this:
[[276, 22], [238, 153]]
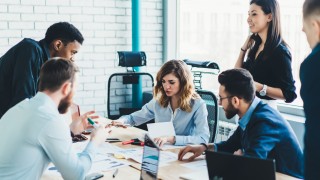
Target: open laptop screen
[[229, 166], [150, 160]]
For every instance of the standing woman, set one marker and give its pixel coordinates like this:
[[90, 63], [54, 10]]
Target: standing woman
[[268, 59], [174, 100]]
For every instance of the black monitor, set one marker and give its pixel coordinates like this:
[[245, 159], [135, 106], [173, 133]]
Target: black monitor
[[229, 167]]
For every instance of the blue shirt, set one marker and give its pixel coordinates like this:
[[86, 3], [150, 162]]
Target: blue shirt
[[246, 118], [33, 134], [19, 72], [190, 127], [267, 135]]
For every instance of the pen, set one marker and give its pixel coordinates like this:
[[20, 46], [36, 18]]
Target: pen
[[93, 123], [115, 173]]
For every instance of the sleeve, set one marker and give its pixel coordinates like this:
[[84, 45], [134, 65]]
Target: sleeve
[[56, 141], [200, 133], [232, 144], [26, 73], [284, 76], [139, 117], [263, 137]]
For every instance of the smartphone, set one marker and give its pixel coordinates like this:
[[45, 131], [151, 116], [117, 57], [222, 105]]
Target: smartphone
[[93, 176], [113, 140]]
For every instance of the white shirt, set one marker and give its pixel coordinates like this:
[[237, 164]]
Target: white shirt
[[33, 134]]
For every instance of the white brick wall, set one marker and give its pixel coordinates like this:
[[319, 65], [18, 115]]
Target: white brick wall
[[106, 26]]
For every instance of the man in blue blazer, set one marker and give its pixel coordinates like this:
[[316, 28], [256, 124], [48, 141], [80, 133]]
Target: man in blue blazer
[[262, 132], [310, 88]]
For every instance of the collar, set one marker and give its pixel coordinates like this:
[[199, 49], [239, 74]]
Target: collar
[[45, 47], [47, 101], [246, 118], [316, 48]]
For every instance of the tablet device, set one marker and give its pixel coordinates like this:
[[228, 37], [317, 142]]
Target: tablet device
[[150, 160]]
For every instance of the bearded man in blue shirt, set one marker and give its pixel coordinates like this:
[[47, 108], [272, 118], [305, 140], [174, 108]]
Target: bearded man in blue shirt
[[262, 132]]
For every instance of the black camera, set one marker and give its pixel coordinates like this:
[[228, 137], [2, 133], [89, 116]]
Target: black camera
[[132, 58]]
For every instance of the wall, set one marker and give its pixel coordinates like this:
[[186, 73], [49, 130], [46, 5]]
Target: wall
[[106, 26]]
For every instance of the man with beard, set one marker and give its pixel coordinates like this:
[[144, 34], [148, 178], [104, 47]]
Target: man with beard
[[33, 133], [262, 132]]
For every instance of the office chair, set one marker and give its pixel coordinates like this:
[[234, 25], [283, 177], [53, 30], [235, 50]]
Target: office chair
[[119, 100], [212, 107]]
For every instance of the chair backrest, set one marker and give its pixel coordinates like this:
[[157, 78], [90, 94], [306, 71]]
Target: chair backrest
[[119, 100], [212, 107]]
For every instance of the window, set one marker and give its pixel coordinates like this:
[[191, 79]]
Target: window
[[216, 29]]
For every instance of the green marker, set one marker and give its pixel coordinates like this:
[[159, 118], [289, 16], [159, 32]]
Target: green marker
[[93, 123]]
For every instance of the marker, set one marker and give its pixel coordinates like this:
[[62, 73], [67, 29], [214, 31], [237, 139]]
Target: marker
[[115, 173], [93, 123]]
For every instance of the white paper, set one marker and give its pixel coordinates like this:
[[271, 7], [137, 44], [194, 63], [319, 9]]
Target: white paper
[[106, 147], [106, 164], [201, 174], [196, 165], [134, 154], [161, 129], [137, 154], [169, 146], [167, 156]]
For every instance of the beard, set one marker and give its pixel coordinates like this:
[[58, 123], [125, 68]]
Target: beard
[[230, 111], [65, 103]]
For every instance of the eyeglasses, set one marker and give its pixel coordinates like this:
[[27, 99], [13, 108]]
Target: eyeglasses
[[221, 98]]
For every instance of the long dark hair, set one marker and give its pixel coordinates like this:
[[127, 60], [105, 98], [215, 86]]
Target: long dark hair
[[274, 37]]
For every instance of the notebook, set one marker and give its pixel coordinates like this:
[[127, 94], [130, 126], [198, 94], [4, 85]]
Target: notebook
[[229, 166], [150, 160]]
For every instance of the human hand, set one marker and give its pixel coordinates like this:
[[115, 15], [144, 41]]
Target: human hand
[[238, 152], [99, 135], [160, 141], [196, 150], [117, 123], [248, 43], [80, 123]]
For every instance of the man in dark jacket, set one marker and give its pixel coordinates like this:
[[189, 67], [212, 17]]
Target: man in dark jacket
[[20, 65], [262, 132], [310, 88]]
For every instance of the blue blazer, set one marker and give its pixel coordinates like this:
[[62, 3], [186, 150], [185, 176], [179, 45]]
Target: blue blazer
[[268, 135], [310, 89]]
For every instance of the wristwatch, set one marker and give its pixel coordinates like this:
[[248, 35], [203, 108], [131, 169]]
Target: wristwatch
[[263, 91]]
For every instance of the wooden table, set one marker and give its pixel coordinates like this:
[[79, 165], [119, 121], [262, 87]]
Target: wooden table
[[170, 172]]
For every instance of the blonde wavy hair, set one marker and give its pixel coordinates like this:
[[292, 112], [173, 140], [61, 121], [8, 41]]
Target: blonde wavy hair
[[187, 90]]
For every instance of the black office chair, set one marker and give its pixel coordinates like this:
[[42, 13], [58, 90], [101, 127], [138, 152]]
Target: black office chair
[[212, 107], [119, 100]]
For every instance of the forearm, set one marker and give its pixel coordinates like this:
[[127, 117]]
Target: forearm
[[81, 166], [240, 59], [275, 93], [184, 140]]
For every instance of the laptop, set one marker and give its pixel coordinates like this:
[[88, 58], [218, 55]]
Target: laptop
[[224, 166], [150, 160]]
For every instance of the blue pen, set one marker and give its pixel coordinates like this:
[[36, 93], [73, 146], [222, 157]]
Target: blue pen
[[93, 123]]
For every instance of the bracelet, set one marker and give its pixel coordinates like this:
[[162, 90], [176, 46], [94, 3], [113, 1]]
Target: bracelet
[[174, 140], [204, 145], [243, 50]]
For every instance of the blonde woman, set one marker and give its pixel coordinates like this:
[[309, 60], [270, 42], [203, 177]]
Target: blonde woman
[[174, 100]]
